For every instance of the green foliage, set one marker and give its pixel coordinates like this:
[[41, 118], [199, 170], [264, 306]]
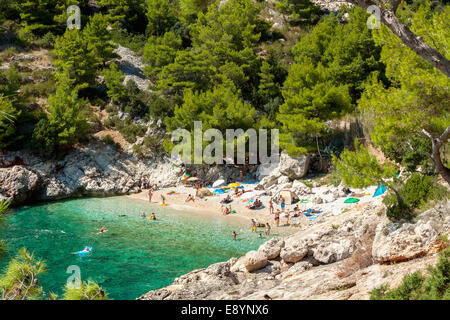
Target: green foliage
[[161, 16], [129, 14], [419, 95], [300, 11], [133, 41], [75, 58], [332, 63], [108, 140], [99, 38], [63, 125], [10, 81], [189, 70], [219, 108], [19, 281], [360, 169], [416, 192], [42, 16], [8, 116], [416, 286], [160, 51], [4, 205], [114, 82], [87, 291]]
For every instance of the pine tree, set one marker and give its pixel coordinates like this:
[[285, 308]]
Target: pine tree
[[87, 291], [114, 82], [20, 279], [99, 38], [74, 58], [161, 16], [63, 125]]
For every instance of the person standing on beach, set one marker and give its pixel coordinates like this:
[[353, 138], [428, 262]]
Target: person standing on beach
[[267, 230], [270, 206], [277, 218], [253, 225], [283, 203], [163, 199], [150, 195]]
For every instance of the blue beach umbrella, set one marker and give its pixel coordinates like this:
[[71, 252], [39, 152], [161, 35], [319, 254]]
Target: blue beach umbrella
[[380, 190]]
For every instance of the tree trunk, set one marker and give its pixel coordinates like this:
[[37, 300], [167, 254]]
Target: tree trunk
[[414, 42], [436, 144]]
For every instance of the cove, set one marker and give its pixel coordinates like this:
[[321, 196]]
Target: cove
[[136, 255]]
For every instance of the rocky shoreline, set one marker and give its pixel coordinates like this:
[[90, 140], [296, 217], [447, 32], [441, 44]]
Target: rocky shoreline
[[92, 170], [345, 256], [344, 261]]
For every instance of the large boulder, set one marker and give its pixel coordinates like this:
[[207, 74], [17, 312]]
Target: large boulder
[[400, 242], [255, 260], [294, 252], [332, 252], [17, 184], [272, 248], [294, 167]]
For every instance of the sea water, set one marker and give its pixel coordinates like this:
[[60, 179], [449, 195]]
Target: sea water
[[136, 255]]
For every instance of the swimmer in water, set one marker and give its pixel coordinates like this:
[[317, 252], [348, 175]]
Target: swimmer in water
[[84, 250], [233, 236], [143, 215], [153, 216], [102, 230]]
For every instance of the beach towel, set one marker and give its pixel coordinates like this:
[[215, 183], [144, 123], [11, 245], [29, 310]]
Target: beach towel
[[351, 200]]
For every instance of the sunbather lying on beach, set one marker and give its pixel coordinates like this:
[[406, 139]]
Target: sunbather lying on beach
[[189, 198], [227, 199]]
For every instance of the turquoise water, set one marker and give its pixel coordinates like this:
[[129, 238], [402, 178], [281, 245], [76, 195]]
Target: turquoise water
[[136, 255]]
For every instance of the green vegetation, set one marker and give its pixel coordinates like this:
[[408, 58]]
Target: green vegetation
[[416, 286]]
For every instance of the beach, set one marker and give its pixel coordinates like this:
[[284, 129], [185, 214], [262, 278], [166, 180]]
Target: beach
[[211, 205]]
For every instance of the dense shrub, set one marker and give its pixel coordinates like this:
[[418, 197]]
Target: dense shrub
[[417, 191], [416, 286]]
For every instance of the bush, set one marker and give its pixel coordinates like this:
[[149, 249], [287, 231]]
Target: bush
[[417, 191], [108, 140], [47, 40], [419, 287]]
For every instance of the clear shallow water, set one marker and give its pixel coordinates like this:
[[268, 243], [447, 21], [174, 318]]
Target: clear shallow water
[[136, 255]]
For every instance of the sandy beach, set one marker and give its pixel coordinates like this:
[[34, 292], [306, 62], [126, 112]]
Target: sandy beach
[[211, 206]]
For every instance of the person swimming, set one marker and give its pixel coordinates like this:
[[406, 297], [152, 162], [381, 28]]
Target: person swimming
[[233, 235], [143, 215], [153, 216], [102, 230]]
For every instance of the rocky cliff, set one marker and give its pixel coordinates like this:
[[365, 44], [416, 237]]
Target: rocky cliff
[[92, 170]]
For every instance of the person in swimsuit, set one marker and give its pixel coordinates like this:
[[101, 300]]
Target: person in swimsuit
[[270, 206], [283, 203], [233, 236], [163, 199], [143, 215], [150, 194], [267, 230], [102, 230], [153, 216], [277, 218], [253, 225]]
